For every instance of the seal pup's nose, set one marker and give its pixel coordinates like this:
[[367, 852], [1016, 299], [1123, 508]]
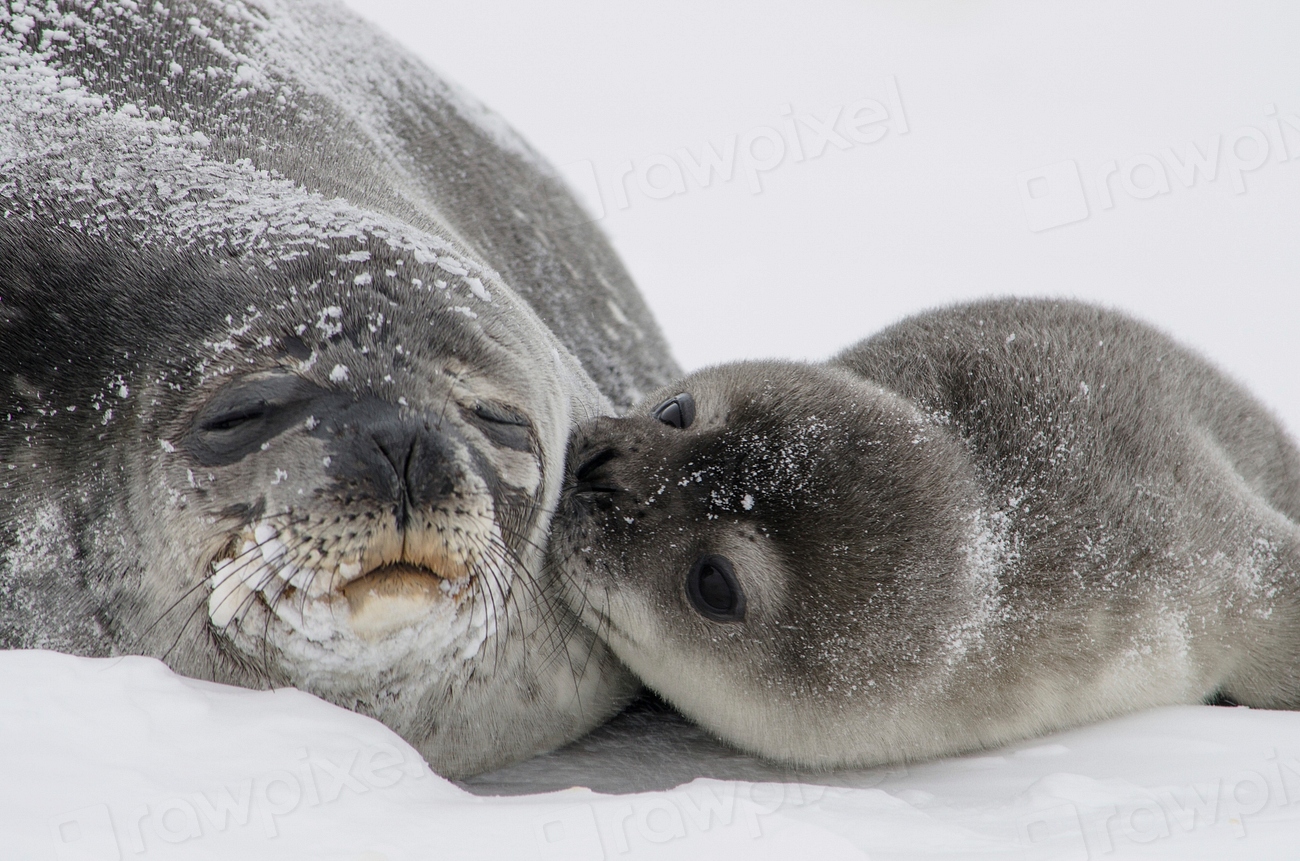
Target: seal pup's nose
[[591, 477]]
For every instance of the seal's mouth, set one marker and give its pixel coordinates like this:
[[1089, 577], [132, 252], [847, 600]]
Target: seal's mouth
[[392, 597], [293, 578]]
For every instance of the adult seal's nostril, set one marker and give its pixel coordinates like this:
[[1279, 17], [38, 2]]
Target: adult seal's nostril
[[204, 383], [398, 449], [429, 467], [396, 459], [677, 411]]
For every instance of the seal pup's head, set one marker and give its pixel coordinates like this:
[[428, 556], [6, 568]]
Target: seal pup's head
[[781, 550]]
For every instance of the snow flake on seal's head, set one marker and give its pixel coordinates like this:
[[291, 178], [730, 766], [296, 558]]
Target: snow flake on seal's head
[[93, 138]]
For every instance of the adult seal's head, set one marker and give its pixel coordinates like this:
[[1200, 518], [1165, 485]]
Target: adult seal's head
[[291, 350], [983, 524]]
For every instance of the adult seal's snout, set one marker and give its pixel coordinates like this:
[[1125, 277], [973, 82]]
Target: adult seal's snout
[[399, 460], [293, 337]]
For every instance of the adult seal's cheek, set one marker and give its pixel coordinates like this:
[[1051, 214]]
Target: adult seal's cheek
[[292, 348]]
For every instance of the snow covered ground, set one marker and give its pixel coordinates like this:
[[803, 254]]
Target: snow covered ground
[[122, 759], [944, 150]]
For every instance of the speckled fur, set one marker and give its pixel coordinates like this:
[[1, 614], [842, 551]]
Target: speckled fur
[[985, 523], [195, 193]]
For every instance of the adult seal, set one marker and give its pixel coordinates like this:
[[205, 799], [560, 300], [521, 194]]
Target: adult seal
[[293, 337], [983, 524]]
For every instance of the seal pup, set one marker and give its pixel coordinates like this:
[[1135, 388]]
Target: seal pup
[[983, 524], [293, 338]]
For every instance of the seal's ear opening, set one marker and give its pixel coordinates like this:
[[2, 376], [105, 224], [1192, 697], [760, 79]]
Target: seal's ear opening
[[714, 590], [678, 411]]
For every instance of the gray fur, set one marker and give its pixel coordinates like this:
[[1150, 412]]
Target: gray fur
[[983, 524], [198, 198]]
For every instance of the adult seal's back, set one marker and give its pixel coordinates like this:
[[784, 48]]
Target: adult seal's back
[[985, 523], [293, 336]]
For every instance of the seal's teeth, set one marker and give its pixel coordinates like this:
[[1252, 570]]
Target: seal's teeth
[[249, 569], [228, 572], [306, 620], [349, 570], [228, 594], [264, 533]]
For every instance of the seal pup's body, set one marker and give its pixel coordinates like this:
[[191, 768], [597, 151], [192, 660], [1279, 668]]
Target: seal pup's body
[[293, 337], [983, 524]]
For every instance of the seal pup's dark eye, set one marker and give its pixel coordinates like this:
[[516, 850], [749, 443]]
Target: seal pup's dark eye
[[714, 590], [678, 411]]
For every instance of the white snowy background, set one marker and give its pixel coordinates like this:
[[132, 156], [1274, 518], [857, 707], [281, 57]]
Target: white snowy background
[[1029, 149], [995, 96]]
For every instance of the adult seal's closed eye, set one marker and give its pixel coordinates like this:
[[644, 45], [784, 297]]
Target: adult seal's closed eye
[[983, 524], [293, 336]]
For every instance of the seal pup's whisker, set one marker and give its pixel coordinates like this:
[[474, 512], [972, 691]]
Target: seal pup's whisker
[[860, 561]]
